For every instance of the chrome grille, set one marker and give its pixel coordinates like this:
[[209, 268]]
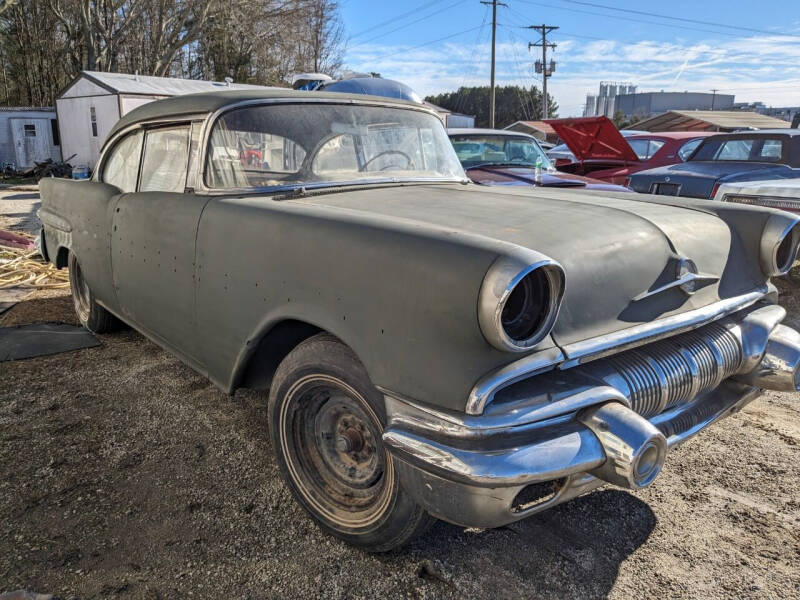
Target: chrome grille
[[673, 371]]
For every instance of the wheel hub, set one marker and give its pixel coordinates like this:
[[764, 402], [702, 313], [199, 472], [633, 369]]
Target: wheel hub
[[346, 443]]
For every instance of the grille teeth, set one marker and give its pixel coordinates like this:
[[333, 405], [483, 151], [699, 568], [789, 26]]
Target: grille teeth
[[673, 371]]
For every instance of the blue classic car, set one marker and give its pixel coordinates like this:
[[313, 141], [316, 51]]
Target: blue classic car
[[726, 158]]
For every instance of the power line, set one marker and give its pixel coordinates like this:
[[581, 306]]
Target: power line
[[607, 16], [436, 12], [441, 39], [394, 19], [472, 64], [681, 19]]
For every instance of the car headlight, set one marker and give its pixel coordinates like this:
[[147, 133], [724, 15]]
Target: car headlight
[[779, 244], [519, 301]]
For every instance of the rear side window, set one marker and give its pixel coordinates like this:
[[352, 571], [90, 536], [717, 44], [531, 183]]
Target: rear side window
[[756, 149], [687, 149], [122, 165], [166, 155], [645, 149]]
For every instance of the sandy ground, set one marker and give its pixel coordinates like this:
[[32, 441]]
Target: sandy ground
[[125, 474]]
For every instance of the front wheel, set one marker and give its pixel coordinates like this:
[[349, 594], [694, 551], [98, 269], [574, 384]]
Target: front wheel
[[326, 420]]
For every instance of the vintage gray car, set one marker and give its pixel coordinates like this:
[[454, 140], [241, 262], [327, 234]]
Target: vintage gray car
[[432, 348]]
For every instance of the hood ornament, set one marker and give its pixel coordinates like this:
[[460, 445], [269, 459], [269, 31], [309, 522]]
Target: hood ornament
[[686, 278]]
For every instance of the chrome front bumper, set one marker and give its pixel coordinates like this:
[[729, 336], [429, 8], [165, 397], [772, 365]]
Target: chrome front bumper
[[554, 436]]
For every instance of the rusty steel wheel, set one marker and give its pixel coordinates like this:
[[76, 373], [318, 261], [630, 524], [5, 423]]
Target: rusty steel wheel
[[90, 314], [326, 422], [331, 440]]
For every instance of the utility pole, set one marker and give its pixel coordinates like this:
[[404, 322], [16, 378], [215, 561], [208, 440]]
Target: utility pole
[[713, 97], [543, 68], [494, 4]]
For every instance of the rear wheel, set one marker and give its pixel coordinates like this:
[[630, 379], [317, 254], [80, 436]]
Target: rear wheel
[[326, 421], [91, 315]]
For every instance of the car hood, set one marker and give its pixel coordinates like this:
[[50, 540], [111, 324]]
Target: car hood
[[526, 176], [593, 138], [614, 247]]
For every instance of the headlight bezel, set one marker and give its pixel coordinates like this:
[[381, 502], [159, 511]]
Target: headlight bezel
[[780, 241], [500, 282]]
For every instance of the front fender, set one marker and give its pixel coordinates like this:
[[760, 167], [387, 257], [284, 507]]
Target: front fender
[[401, 294]]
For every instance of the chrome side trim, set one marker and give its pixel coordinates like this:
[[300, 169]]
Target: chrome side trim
[[533, 364], [611, 343], [581, 352]]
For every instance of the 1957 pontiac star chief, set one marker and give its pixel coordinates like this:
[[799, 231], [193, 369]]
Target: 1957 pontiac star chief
[[432, 348]]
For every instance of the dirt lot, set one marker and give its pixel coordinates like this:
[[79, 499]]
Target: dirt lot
[[125, 474]]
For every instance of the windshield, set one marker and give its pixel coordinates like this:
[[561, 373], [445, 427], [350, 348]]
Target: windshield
[[741, 149], [487, 150], [296, 144]]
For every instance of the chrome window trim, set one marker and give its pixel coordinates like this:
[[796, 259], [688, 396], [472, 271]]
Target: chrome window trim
[[585, 351], [163, 121]]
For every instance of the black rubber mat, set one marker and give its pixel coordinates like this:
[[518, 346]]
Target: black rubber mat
[[42, 339]]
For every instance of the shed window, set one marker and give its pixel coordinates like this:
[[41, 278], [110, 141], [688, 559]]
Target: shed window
[[93, 116], [30, 130], [122, 165], [166, 154], [54, 132]]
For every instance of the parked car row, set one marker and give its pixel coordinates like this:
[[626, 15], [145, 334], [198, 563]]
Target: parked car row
[[600, 157]]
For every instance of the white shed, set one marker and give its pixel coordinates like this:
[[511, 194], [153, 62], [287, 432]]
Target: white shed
[[93, 102], [28, 134]]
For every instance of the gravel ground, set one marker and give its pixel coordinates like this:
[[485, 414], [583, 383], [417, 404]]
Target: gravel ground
[[18, 206], [125, 474]]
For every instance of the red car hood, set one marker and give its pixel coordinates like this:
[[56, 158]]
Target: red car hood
[[593, 138], [500, 175]]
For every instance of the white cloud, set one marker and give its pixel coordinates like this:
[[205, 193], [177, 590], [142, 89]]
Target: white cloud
[[760, 68]]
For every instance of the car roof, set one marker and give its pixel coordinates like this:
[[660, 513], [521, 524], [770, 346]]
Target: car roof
[[761, 132], [478, 131], [209, 102]]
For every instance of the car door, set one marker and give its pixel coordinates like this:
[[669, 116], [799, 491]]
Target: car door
[[153, 241]]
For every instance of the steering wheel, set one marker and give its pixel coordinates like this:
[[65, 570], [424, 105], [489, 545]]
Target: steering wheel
[[409, 164]]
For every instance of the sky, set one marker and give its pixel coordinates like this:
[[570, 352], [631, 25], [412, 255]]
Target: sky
[[743, 47]]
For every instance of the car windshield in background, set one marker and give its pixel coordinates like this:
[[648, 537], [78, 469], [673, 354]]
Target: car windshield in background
[[500, 150], [754, 149], [282, 145]]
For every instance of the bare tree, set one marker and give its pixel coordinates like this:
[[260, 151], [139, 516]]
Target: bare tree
[[45, 43]]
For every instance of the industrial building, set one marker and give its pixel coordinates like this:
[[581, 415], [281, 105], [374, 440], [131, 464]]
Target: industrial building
[[646, 104], [28, 135], [604, 103], [93, 102]]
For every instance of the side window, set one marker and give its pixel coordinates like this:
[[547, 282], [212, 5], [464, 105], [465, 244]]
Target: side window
[[166, 154], [645, 149], [686, 150], [122, 165]]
